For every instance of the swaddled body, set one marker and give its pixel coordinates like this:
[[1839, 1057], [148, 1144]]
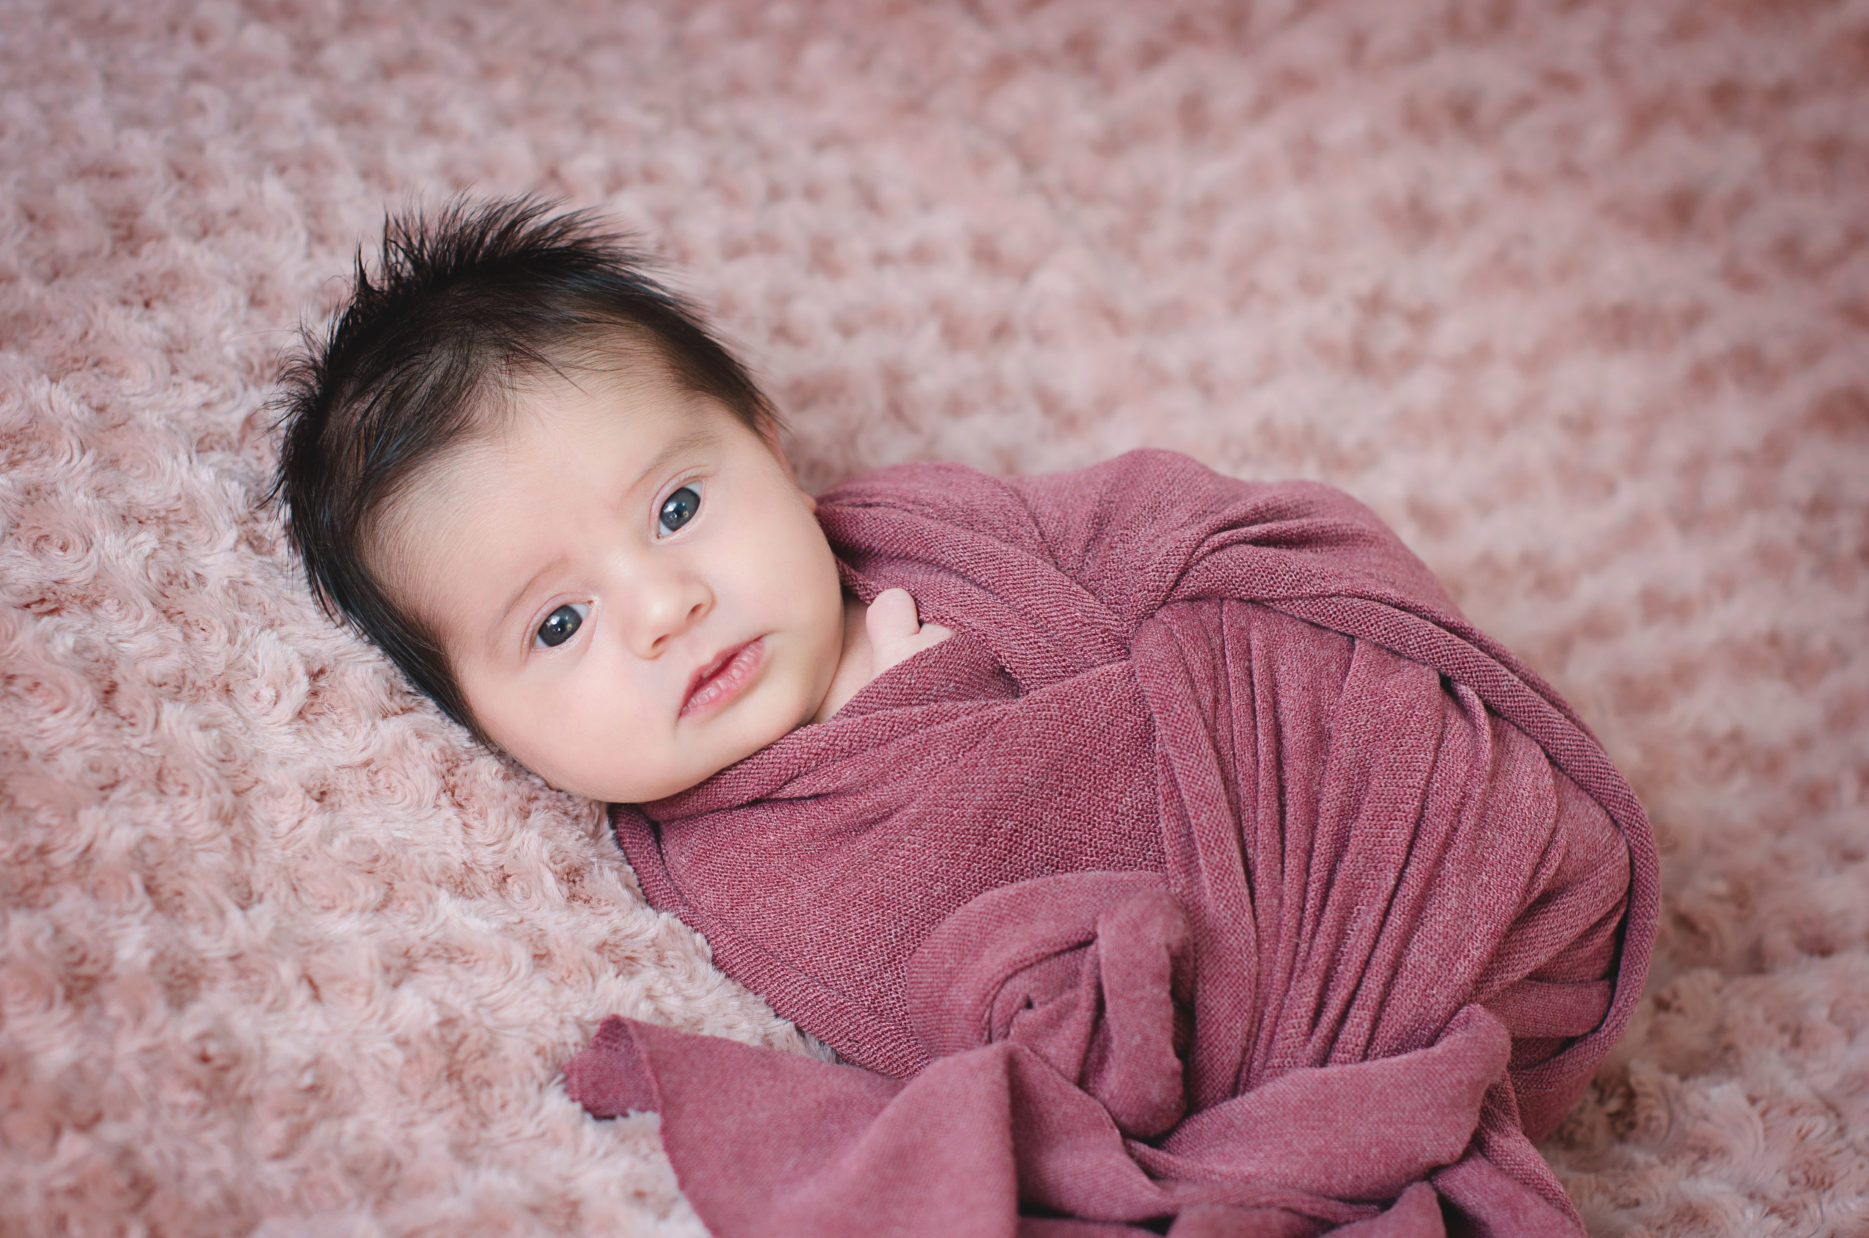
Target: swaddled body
[[1212, 827]]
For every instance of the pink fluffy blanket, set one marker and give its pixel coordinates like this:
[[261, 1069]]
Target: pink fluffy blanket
[[1215, 869]]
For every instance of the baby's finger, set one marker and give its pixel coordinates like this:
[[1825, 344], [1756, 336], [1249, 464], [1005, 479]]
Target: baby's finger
[[891, 616]]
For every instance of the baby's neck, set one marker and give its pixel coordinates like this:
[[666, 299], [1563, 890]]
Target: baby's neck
[[855, 666]]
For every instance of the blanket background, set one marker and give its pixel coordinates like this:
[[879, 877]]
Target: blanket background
[[1576, 295]]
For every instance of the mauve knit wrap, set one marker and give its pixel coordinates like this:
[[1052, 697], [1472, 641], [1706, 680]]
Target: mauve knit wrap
[[1214, 869]]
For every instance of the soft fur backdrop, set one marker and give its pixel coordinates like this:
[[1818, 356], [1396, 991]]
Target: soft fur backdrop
[[1574, 294]]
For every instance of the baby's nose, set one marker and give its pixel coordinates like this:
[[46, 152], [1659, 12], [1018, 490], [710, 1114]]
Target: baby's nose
[[665, 609]]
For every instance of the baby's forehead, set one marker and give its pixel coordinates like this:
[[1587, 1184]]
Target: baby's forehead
[[544, 438], [429, 519]]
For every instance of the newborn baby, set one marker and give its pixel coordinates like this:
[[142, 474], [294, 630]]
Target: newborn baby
[[1194, 864], [617, 556], [563, 510]]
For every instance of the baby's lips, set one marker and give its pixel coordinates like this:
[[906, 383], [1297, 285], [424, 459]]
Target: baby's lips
[[707, 671], [726, 674]]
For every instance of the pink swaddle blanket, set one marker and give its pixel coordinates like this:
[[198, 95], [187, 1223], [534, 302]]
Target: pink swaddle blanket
[[1215, 869]]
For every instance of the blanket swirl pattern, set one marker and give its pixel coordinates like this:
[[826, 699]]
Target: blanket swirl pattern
[[1214, 876]]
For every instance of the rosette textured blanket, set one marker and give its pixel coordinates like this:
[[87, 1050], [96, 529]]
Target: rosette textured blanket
[[1574, 294]]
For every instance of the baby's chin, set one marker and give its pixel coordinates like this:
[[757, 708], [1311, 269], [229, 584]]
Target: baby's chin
[[611, 788], [588, 785]]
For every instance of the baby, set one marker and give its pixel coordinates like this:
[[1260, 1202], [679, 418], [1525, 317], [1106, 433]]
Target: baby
[[531, 477], [1196, 859]]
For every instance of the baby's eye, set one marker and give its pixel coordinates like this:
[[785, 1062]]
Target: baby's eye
[[679, 508], [562, 624]]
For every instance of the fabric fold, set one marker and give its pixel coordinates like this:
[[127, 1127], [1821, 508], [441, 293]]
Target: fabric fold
[[1091, 971]]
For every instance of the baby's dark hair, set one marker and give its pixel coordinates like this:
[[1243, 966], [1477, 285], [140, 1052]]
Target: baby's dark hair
[[461, 307]]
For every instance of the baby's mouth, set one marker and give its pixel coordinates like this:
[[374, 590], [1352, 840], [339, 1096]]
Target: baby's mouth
[[723, 677]]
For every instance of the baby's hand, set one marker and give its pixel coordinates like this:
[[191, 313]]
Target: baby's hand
[[896, 632]]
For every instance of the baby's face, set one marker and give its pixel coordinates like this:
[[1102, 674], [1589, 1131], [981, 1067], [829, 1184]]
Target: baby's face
[[632, 589]]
